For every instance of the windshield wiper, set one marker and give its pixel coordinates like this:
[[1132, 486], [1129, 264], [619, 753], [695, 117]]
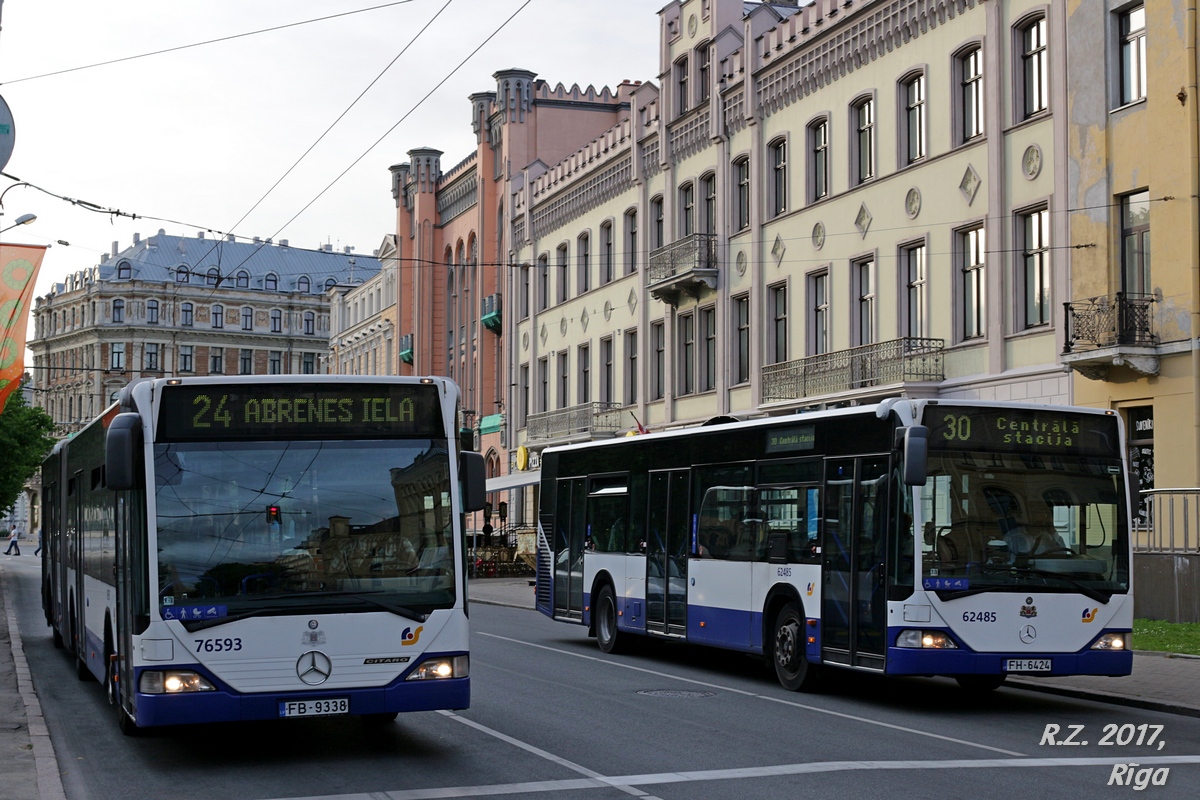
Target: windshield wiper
[[400, 611], [1087, 591]]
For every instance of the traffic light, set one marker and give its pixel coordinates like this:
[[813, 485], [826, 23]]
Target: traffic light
[[272, 515]]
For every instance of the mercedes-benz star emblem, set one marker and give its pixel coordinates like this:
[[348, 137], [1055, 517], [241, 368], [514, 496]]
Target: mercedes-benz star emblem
[[314, 667], [1028, 634]]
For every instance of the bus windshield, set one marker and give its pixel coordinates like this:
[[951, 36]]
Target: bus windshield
[[1023, 522], [256, 527]]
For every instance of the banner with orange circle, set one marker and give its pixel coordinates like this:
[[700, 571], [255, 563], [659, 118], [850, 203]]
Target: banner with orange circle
[[19, 265]]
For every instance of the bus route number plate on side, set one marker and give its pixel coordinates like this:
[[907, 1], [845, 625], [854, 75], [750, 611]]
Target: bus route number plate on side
[[314, 708], [1027, 665]]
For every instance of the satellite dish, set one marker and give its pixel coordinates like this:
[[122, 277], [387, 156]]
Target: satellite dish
[[8, 133]]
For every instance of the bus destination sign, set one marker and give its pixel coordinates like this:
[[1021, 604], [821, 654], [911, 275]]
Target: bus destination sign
[[1022, 430], [194, 412], [792, 438]]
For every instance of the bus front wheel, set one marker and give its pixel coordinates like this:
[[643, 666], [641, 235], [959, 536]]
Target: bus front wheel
[[793, 670], [608, 637]]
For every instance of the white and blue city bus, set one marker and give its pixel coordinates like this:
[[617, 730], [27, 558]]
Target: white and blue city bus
[[973, 540], [265, 547]]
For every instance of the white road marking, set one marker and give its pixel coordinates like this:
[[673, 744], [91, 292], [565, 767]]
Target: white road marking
[[792, 703]]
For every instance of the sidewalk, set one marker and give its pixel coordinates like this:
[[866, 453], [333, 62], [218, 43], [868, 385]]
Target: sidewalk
[[1160, 681]]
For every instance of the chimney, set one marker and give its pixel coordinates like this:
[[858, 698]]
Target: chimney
[[283, 243], [199, 234], [268, 240], [115, 249], [137, 237], [327, 248], [229, 237], [257, 240]]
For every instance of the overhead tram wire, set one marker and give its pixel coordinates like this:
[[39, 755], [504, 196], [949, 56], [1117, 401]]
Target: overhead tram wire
[[206, 42]]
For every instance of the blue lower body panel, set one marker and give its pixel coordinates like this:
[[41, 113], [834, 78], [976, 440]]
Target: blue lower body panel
[[225, 705], [914, 661]]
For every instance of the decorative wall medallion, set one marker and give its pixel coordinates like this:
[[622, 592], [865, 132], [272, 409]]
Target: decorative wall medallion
[[583, 319], [607, 310], [543, 335], [632, 301], [863, 220], [912, 203], [740, 264], [562, 326], [692, 25], [1031, 162], [778, 249], [525, 340], [818, 236], [970, 183]]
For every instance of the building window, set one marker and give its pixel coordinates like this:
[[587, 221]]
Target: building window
[[818, 310], [543, 283], [181, 275], [185, 315], [864, 285], [274, 362], [523, 398], [271, 282], [708, 194], [681, 85], [864, 140], [687, 354], [913, 263], [304, 284], [247, 318], [118, 311], [308, 364], [151, 312], [818, 148], [310, 323], [777, 296], [1135, 244], [778, 156], [708, 349], [583, 250], [214, 276], [970, 70], [658, 374], [216, 361], [631, 242], [564, 283], [971, 242], [1035, 84], [656, 220], [606, 370], [218, 316], [276, 321], [1036, 255], [150, 357], [914, 119], [687, 209], [523, 295], [1133, 54], [186, 358], [741, 204], [242, 279], [564, 379], [631, 367], [124, 271], [246, 362], [583, 365], [741, 324], [116, 356], [330, 283], [606, 253]]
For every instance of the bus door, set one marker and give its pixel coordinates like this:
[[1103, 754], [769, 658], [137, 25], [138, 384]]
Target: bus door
[[569, 530], [667, 536], [75, 561], [853, 607]]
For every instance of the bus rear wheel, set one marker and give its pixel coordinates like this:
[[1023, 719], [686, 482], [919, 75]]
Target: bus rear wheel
[[979, 684], [608, 637], [793, 670]]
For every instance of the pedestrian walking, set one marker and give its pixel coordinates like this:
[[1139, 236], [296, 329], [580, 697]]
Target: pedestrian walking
[[12, 542], [38, 550]]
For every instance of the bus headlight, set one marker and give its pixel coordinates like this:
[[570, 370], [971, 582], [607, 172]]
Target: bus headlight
[[438, 668], [1112, 641], [175, 681], [929, 640]]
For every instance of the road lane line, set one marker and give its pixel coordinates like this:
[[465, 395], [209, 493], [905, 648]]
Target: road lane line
[[743, 773], [745, 693]]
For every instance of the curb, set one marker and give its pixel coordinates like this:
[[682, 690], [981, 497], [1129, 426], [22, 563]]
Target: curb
[[1105, 697], [49, 781]]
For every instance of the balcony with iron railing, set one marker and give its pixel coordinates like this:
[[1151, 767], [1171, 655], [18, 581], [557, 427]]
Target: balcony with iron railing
[[869, 369], [686, 266], [1108, 331], [579, 423]]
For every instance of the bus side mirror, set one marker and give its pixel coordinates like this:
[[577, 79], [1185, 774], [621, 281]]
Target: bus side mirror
[[472, 477], [122, 448], [916, 455]]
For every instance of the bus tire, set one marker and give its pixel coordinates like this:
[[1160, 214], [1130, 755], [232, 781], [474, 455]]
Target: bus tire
[[125, 723], [376, 720], [56, 637], [610, 639], [793, 670], [979, 684]]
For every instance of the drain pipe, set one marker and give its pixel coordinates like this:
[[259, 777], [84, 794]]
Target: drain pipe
[[1193, 123]]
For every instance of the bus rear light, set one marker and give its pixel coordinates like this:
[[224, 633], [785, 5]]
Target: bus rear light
[[928, 640], [176, 681], [1112, 641], [438, 668]]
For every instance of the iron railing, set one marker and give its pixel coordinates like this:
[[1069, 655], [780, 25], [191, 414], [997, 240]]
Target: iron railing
[[1109, 321], [693, 252], [1168, 521], [878, 364], [583, 419]]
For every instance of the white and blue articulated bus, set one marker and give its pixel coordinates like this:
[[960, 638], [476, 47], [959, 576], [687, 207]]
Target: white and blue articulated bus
[[268, 547], [913, 537]]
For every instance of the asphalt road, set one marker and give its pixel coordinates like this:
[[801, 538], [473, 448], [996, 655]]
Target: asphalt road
[[551, 716]]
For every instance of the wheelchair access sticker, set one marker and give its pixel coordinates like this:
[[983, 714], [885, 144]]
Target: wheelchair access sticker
[[194, 612], [954, 584]]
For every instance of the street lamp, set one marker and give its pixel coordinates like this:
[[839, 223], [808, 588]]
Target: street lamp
[[24, 219]]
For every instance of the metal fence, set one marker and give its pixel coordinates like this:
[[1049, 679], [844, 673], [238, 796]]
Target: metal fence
[[586, 418], [878, 364], [1169, 522], [1120, 319]]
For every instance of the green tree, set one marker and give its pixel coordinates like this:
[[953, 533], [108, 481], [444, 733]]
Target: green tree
[[24, 441]]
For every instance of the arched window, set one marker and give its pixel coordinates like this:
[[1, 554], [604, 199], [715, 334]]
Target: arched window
[[218, 316], [243, 279], [181, 275], [276, 321], [214, 275], [118, 314], [271, 282], [330, 283], [152, 312], [247, 318], [310, 323], [185, 315], [124, 271], [304, 284]]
